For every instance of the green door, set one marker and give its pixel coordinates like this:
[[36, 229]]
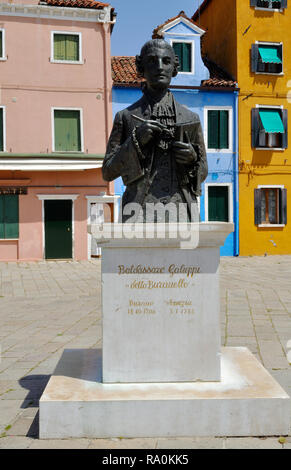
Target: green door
[[58, 229], [218, 204]]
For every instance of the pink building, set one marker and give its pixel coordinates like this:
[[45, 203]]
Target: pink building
[[55, 119]]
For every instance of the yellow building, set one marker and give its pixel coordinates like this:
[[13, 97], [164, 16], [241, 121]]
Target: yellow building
[[251, 39]]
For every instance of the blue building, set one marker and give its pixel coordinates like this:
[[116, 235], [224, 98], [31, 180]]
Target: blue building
[[209, 91]]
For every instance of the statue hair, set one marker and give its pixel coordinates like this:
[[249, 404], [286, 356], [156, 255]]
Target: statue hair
[[149, 45]]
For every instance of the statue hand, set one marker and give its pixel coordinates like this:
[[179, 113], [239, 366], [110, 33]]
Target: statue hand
[[184, 153], [147, 131]]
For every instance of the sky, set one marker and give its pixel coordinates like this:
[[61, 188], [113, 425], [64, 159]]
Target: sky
[[136, 20]]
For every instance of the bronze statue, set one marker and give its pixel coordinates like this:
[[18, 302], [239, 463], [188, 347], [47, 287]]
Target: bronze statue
[[156, 145]]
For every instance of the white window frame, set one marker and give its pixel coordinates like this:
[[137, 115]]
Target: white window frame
[[100, 199], [271, 186], [230, 128], [230, 200], [276, 44], [45, 197], [267, 106], [269, 9], [72, 33], [4, 129], [53, 129], [3, 57], [188, 41]]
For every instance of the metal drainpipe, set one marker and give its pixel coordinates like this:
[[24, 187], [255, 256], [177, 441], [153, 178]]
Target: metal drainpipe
[[236, 175]]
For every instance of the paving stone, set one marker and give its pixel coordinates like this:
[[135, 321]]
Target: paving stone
[[146, 443], [253, 443], [60, 444], [191, 443], [13, 442]]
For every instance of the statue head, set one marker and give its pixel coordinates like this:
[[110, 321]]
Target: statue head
[[157, 63]]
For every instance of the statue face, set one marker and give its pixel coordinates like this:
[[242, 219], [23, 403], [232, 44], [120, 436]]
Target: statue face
[[158, 65]]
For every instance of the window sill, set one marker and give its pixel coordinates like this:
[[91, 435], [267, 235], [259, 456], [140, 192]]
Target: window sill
[[9, 240], [218, 150], [281, 74], [68, 152], [269, 9], [270, 148], [271, 225], [70, 62]]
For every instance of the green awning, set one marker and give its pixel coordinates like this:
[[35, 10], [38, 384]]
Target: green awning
[[272, 121], [270, 55]]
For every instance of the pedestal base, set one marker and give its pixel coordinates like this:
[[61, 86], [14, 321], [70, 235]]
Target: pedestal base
[[247, 402]]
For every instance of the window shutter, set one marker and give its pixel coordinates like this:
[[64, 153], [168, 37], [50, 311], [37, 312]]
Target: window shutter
[[283, 206], [67, 131], [254, 3], [285, 124], [1, 43], [2, 233], [213, 123], [254, 57], [72, 47], [258, 195], [223, 129], [1, 130], [283, 3], [186, 57], [177, 46], [11, 216], [255, 127], [59, 47]]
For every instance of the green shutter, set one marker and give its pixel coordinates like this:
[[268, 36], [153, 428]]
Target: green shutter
[[223, 130], [67, 131], [1, 130], [218, 203], [72, 47], [2, 233], [11, 216], [213, 134], [66, 47], [186, 57], [59, 47], [183, 51]]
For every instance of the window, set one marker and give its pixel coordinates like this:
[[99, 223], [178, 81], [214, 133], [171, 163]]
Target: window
[[269, 128], [184, 50], [270, 205], [270, 4], [67, 130], [2, 44], [9, 216], [218, 202], [66, 47], [1, 129], [267, 58], [218, 125]]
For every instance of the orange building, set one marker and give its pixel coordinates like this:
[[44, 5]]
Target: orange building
[[251, 40]]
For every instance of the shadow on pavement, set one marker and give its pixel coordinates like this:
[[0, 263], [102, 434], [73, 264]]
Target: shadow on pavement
[[35, 384]]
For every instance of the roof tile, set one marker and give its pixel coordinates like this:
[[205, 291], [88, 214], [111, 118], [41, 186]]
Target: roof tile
[[124, 73], [75, 4]]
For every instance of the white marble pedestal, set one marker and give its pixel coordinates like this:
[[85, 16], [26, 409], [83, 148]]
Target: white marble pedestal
[[162, 371]]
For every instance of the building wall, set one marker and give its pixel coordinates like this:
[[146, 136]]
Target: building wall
[[30, 244], [219, 41], [31, 84], [262, 167]]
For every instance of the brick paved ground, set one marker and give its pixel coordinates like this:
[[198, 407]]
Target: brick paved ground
[[48, 306]]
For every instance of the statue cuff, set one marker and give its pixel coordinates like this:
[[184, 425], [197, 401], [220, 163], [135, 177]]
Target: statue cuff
[[136, 144]]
